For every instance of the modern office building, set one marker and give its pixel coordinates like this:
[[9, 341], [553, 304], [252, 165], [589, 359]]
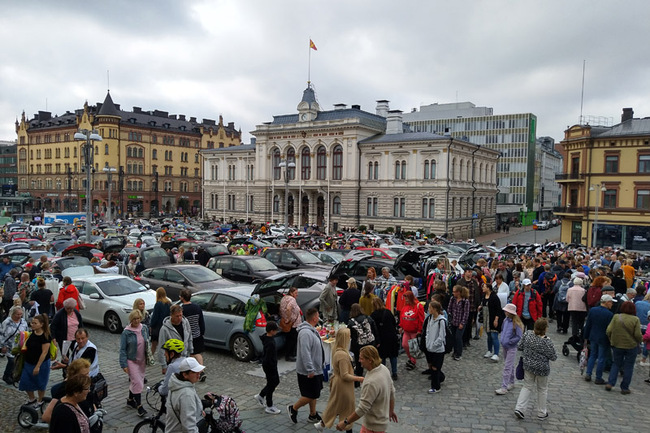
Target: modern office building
[[606, 184], [513, 135], [151, 159], [347, 167]]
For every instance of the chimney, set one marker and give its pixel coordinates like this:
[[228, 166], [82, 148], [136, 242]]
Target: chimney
[[340, 106], [382, 108], [355, 107], [137, 109], [181, 117], [628, 114], [394, 122]]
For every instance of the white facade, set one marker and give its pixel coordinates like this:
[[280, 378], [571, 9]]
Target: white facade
[[353, 168]]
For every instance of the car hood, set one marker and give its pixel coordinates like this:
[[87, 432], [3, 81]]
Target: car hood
[[78, 271], [127, 300]]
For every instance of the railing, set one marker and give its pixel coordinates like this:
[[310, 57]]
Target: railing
[[568, 209], [569, 176]]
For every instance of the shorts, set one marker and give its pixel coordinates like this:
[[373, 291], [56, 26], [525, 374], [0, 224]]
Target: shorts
[[310, 387], [198, 346]]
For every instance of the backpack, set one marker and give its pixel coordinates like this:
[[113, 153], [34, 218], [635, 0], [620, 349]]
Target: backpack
[[593, 296], [225, 413], [562, 291], [449, 338], [364, 332], [546, 288]]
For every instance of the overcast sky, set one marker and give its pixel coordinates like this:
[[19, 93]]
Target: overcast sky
[[248, 60]]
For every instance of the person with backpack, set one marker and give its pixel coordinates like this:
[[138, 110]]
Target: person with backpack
[[547, 291], [593, 294], [528, 303], [10, 327], [363, 332], [511, 332], [434, 333], [411, 319], [576, 306], [560, 304]]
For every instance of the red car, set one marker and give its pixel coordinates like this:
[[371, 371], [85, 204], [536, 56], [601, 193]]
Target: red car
[[380, 253]]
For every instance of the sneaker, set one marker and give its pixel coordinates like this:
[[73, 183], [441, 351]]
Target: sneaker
[[433, 391], [260, 400], [587, 378], [599, 382], [494, 358], [293, 414], [488, 354], [501, 391], [608, 387], [319, 426], [644, 363], [542, 417], [626, 391], [141, 411], [131, 403], [314, 417], [510, 387], [427, 371], [409, 365], [272, 410], [519, 414], [457, 358], [38, 404]]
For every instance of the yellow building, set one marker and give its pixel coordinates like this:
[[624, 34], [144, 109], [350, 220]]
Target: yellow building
[[606, 184], [152, 158]]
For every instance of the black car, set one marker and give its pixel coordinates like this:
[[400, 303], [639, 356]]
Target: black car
[[289, 259], [357, 268], [246, 269], [310, 284]]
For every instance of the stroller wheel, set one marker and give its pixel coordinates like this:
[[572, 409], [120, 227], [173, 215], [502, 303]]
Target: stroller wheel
[[565, 350]]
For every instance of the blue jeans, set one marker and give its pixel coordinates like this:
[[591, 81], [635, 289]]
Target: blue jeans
[[493, 341], [393, 363], [623, 359], [599, 353]]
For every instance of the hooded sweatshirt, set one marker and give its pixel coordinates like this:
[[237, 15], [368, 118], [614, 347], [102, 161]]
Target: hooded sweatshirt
[[183, 407], [168, 331], [310, 355], [69, 291], [436, 334]]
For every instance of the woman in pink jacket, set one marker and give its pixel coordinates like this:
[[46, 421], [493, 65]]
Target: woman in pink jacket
[[576, 306]]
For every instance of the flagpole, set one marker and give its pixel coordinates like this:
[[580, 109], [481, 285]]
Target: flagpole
[[309, 63]]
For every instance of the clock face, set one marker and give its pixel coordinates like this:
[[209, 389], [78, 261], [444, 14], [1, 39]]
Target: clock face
[[304, 116]]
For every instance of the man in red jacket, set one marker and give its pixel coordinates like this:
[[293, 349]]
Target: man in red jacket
[[529, 304]]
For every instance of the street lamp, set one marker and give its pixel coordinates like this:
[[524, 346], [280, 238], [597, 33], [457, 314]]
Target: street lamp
[[109, 173], [286, 167], [87, 149], [594, 236]]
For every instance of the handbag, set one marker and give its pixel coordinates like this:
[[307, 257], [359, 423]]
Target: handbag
[[285, 325], [98, 389], [150, 359], [414, 347], [519, 371]]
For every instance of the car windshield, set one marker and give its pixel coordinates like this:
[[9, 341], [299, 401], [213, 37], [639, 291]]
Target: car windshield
[[392, 254], [120, 287], [262, 265], [307, 257], [217, 249], [72, 262], [199, 274], [154, 252]]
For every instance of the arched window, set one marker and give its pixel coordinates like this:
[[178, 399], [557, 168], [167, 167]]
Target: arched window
[[398, 170], [403, 174], [460, 170], [154, 154], [370, 171], [432, 175], [336, 205], [140, 152], [337, 163], [376, 170], [291, 157], [305, 163], [276, 203], [453, 168], [106, 149], [470, 172], [275, 160], [321, 163], [426, 170], [129, 152]]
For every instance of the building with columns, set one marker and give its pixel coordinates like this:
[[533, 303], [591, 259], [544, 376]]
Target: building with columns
[[347, 167], [151, 159]]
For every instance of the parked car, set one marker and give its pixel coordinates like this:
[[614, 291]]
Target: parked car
[[224, 312], [288, 259], [331, 257], [309, 282], [357, 268], [543, 225], [246, 269], [380, 253], [109, 299], [174, 278]]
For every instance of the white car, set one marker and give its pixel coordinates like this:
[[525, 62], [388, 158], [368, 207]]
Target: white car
[[109, 299]]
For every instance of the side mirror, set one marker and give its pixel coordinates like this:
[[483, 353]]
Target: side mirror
[[95, 296]]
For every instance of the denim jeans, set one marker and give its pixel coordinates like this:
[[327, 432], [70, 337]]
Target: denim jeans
[[623, 359], [598, 353], [493, 342], [393, 363], [458, 340]]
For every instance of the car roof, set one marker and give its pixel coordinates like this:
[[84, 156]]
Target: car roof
[[102, 277], [243, 290], [307, 272]]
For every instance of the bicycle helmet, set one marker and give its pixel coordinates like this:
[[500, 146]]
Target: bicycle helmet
[[174, 345]]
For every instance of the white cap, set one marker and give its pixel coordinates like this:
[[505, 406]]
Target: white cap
[[526, 282], [190, 364]]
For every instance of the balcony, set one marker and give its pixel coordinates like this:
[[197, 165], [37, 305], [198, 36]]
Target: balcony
[[568, 210], [569, 177]]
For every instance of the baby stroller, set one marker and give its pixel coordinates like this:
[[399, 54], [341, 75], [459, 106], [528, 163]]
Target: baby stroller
[[576, 342]]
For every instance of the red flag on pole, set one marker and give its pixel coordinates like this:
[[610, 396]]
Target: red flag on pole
[[312, 45]]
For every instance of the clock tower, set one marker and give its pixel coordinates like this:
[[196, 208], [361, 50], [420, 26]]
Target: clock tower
[[308, 108]]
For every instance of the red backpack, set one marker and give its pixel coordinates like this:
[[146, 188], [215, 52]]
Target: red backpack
[[593, 296]]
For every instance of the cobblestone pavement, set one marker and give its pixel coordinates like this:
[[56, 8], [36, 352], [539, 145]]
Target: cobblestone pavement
[[467, 402]]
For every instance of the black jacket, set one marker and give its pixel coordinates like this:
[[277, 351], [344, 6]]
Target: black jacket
[[59, 325], [269, 353]]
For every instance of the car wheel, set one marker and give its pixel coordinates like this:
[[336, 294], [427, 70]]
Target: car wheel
[[112, 323], [241, 347]]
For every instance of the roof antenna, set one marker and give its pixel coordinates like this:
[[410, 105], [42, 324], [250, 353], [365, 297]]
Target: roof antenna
[[582, 94]]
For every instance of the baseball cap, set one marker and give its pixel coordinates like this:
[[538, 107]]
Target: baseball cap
[[190, 364], [526, 282], [605, 298]]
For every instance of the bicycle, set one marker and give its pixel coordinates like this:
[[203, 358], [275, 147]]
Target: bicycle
[[157, 403]]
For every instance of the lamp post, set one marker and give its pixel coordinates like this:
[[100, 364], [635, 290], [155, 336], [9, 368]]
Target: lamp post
[[109, 173], [286, 165], [87, 149], [594, 237]]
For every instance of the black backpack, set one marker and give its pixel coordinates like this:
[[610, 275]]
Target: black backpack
[[449, 338]]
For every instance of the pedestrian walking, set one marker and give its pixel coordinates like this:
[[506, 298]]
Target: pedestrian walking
[[36, 370], [270, 368], [309, 367], [511, 332], [184, 407], [387, 335], [434, 333], [328, 300], [160, 312], [133, 359], [194, 315], [538, 352], [624, 333]]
